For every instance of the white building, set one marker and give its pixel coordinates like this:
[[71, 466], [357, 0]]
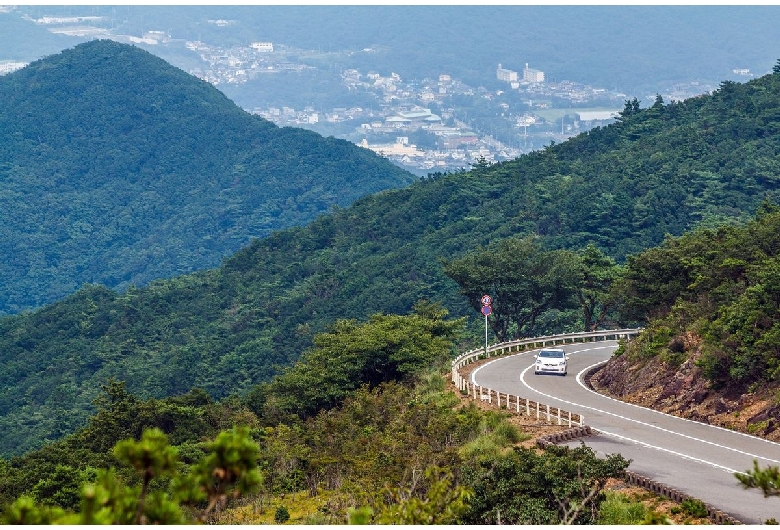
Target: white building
[[156, 36], [263, 46], [532, 76], [506, 75]]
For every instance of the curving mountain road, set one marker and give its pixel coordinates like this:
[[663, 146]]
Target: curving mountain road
[[693, 457]]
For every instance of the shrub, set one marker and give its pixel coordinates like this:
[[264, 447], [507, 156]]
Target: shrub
[[692, 508], [617, 508], [281, 515]]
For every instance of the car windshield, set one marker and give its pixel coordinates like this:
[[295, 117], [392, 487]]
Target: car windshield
[[554, 354]]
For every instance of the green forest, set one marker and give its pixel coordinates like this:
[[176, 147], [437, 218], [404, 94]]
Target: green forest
[[117, 168], [621, 189], [310, 360]]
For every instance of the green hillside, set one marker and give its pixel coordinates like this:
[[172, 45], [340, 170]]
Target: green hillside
[[661, 170], [714, 297], [117, 168]]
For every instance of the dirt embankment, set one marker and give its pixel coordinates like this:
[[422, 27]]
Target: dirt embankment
[[683, 391]]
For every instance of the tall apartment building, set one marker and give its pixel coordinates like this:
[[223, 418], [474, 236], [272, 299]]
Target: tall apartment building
[[505, 75], [532, 76]]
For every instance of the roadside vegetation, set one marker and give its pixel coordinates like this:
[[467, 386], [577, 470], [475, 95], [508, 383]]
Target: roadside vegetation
[[390, 443]]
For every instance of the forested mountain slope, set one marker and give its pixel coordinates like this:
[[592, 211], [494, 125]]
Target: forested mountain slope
[[660, 170], [713, 338], [117, 168]]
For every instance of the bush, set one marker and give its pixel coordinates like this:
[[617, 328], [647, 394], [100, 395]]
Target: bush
[[619, 509], [282, 515], [694, 508]]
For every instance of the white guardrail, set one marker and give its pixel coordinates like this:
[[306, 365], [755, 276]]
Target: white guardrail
[[525, 405]]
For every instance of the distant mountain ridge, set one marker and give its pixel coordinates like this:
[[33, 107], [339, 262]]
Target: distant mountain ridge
[[117, 168]]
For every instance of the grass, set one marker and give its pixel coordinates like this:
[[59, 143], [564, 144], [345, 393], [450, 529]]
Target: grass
[[302, 509], [619, 508]]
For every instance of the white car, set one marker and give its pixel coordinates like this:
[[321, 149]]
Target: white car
[[550, 361]]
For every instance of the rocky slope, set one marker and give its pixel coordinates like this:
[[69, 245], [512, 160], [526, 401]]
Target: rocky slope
[[683, 391]]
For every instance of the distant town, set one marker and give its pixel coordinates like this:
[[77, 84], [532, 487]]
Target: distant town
[[553, 111], [429, 125]]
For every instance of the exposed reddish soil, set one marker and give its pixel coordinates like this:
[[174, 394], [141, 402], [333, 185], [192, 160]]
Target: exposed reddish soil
[[683, 391]]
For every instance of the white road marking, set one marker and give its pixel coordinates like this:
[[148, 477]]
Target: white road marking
[[718, 427], [579, 381], [682, 455]]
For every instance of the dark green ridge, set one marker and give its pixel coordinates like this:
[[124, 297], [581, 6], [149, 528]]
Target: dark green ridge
[[117, 168]]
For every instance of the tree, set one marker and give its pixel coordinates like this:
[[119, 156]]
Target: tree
[[561, 485], [480, 164], [630, 108], [229, 470], [651, 282], [598, 274], [444, 503], [351, 354], [523, 280], [152, 456], [767, 479]]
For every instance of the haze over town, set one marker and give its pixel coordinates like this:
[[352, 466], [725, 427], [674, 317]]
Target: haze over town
[[446, 120]]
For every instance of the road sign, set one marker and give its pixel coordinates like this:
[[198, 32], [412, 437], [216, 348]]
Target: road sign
[[486, 300], [486, 310]]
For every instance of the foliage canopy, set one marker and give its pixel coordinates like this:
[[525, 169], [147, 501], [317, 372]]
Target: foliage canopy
[[622, 189], [720, 285]]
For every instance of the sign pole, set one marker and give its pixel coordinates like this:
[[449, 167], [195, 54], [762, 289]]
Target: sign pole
[[486, 346], [486, 310]]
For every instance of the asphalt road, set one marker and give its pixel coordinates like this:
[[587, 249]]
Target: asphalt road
[[693, 457]]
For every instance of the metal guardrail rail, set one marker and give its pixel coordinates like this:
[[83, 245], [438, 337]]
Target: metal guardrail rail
[[517, 403]]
